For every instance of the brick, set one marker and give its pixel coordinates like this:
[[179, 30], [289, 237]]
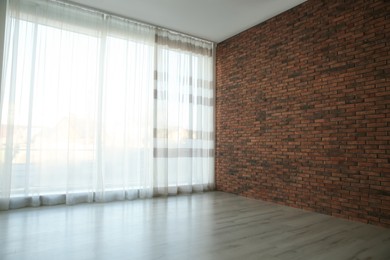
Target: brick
[[303, 110]]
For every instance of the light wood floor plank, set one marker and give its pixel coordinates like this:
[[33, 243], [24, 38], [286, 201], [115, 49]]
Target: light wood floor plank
[[213, 225]]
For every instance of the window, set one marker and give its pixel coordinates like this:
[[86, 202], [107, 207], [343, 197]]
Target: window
[[97, 108]]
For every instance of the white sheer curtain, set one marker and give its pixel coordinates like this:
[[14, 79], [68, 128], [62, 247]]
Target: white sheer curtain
[[184, 114], [98, 108]]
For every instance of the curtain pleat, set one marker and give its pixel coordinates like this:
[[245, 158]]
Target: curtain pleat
[[99, 108]]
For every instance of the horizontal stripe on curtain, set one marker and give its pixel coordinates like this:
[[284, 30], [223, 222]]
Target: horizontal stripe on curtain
[[99, 108]]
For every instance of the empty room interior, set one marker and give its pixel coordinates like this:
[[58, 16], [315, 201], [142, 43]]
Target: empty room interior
[[208, 129]]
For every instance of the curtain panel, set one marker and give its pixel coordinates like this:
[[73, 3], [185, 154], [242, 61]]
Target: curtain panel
[[95, 107]]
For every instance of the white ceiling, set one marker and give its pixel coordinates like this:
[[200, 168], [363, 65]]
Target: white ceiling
[[213, 20]]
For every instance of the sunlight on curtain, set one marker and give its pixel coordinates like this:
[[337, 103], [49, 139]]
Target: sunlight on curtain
[[99, 108]]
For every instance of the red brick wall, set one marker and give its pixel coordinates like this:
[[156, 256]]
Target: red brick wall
[[303, 110]]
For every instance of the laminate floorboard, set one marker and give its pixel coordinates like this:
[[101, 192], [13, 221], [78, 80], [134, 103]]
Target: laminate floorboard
[[211, 225]]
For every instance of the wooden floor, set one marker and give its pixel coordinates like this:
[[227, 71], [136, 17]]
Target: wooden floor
[[211, 225]]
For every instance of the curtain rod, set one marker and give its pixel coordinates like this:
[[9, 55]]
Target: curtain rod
[[104, 12]]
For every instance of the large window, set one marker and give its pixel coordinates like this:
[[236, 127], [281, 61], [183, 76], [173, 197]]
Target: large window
[[97, 108]]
